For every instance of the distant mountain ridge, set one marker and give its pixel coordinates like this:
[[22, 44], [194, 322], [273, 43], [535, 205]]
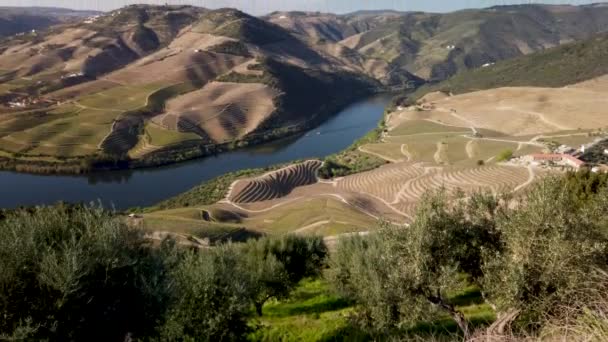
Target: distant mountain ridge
[[15, 20], [435, 46]]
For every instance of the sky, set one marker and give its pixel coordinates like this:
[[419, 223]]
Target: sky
[[259, 7]]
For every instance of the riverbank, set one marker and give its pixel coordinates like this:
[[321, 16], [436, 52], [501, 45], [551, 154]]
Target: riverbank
[[186, 151], [145, 187]]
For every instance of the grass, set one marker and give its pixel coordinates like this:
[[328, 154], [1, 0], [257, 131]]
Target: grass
[[574, 141], [159, 136], [340, 218], [391, 151], [120, 98], [412, 127], [71, 131], [486, 149], [172, 222], [290, 217], [422, 148], [314, 312]]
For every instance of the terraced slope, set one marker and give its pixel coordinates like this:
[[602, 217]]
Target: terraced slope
[[224, 111], [93, 49], [276, 184], [530, 110]]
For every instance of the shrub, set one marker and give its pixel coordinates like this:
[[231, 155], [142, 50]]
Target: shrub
[[505, 155]]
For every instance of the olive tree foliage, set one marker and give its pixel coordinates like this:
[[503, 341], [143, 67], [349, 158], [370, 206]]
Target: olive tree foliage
[[552, 244], [72, 274], [210, 298], [277, 264], [402, 275]]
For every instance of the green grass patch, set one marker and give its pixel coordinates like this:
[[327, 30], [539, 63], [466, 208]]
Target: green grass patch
[[312, 313], [351, 160], [159, 136]]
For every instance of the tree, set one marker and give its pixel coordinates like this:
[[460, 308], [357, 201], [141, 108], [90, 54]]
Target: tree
[[402, 274], [276, 265], [210, 298], [71, 273], [553, 242]]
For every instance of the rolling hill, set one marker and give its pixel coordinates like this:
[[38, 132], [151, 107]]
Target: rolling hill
[[145, 85], [152, 84]]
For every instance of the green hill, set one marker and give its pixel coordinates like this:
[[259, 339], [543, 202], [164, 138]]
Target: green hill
[[557, 67]]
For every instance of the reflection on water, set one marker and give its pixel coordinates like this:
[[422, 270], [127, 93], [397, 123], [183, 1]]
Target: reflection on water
[[144, 187]]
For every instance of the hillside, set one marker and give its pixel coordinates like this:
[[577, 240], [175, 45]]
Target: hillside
[[14, 20], [436, 46], [198, 81], [557, 67], [202, 81]]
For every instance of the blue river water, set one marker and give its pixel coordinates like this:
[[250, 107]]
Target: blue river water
[[144, 187]]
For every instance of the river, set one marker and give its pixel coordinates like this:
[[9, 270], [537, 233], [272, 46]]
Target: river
[[145, 187]]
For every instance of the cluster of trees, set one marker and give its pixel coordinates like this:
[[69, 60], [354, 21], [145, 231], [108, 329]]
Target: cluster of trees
[[79, 274], [530, 256]]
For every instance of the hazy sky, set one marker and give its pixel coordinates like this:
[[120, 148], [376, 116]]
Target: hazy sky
[[265, 6]]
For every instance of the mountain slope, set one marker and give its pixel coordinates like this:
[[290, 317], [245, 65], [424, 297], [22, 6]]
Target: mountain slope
[[557, 67], [436, 46], [14, 20], [148, 84]]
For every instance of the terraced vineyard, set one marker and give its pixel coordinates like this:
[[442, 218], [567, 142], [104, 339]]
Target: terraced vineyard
[[276, 184]]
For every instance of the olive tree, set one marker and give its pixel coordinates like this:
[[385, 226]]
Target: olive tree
[[276, 265], [210, 297], [403, 274], [73, 273], [552, 243]]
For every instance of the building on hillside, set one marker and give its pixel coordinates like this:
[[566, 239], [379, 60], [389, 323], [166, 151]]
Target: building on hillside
[[606, 151], [602, 168], [558, 159]]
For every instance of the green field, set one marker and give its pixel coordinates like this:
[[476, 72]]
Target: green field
[[335, 218], [73, 129], [121, 98], [163, 137]]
